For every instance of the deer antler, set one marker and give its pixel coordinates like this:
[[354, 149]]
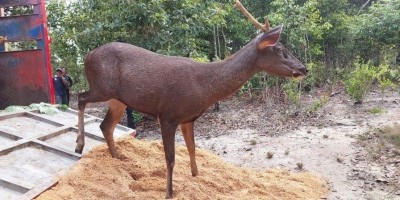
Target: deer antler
[[263, 28]]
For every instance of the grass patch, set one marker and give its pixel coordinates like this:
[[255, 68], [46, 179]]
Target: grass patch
[[318, 104], [375, 110], [364, 136], [391, 134], [381, 140]]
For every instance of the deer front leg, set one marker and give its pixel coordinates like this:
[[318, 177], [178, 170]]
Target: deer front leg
[[80, 139], [188, 134], [168, 137]]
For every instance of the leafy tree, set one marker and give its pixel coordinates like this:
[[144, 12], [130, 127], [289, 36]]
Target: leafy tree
[[376, 32], [326, 35], [168, 27]]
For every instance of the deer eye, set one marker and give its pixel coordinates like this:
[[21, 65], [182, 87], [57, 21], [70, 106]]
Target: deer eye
[[285, 55]]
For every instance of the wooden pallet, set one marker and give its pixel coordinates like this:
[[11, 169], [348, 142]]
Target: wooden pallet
[[37, 148]]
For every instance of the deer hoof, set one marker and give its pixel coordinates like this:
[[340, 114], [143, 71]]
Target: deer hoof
[[78, 150], [79, 147], [194, 172]]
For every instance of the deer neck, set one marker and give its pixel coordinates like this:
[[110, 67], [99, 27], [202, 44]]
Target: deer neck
[[229, 75]]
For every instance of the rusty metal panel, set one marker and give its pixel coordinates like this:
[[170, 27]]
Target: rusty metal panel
[[9, 3], [18, 28], [23, 78]]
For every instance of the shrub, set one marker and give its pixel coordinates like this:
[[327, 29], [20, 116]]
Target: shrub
[[359, 81], [318, 104], [292, 92], [254, 83], [316, 74], [385, 78], [137, 117]]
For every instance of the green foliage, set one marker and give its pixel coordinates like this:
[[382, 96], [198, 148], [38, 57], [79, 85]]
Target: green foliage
[[199, 57], [15, 108], [384, 78], [255, 83], [376, 31], [381, 141], [64, 107], [327, 36], [44, 108], [317, 74], [375, 110], [273, 81], [292, 92], [166, 27], [318, 104], [304, 24], [137, 117], [18, 10], [359, 81]]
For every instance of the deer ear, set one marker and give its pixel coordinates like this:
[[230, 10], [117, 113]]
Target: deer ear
[[269, 38]]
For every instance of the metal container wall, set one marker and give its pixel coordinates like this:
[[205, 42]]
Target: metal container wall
[[25, 76]]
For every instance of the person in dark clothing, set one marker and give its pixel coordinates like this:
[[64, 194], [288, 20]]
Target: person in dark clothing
[[70, 82], [60, 85], [129, 117]]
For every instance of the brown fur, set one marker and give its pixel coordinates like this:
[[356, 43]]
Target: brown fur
[[176, 90]]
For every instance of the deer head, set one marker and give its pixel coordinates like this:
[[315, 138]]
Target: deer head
[[275, 58]]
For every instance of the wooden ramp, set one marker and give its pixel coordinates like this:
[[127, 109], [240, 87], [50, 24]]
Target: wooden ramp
[[37, 148]]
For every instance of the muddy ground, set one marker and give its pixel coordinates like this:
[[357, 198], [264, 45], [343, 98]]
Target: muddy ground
[[320, 136]]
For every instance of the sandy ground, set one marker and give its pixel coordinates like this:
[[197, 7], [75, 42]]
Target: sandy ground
[[328, 147], [264, 133], [141, 175]]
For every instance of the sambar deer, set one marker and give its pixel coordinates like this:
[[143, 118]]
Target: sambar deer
[[176, 90]]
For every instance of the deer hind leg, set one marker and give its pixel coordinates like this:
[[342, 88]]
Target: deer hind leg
[[168, 137], [188, 134], [83, 99], [114, 114]]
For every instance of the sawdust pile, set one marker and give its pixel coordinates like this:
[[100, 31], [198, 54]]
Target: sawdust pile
[[142, 171]]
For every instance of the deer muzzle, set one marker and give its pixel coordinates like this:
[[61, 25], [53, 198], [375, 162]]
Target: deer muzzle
[[300, 74]]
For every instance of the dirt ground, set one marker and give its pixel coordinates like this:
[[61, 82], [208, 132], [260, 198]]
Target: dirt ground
[[141, 175], [262, 132]]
